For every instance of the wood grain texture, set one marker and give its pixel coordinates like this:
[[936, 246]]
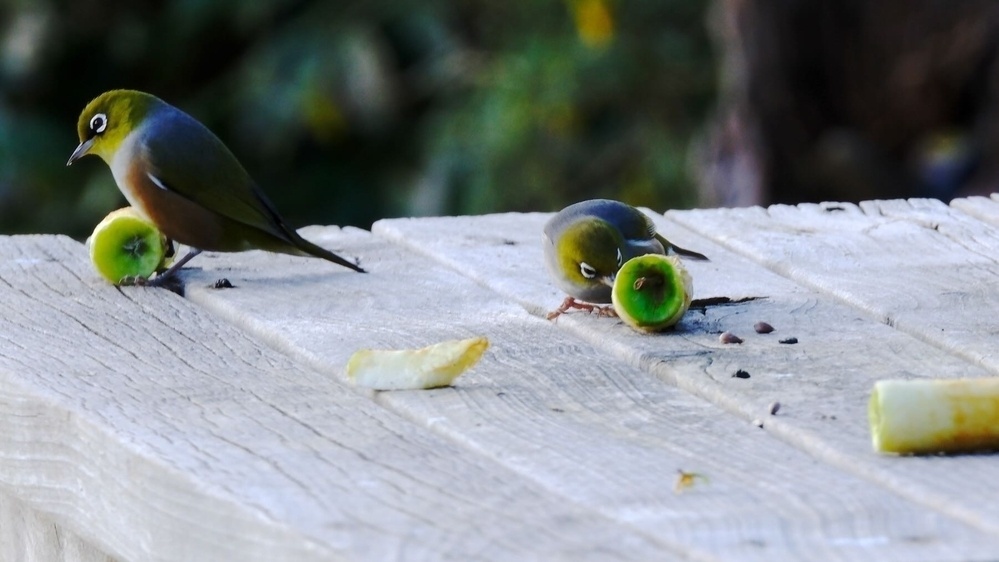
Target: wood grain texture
[[564, 413], [155, 431], [822, 383], [28, 536], [917, 266]]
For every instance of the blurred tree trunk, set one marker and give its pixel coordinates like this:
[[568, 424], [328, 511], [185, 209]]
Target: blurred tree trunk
[[848, 100]]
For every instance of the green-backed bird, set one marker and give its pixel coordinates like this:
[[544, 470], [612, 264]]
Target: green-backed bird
[[586, 243], [183, 178]]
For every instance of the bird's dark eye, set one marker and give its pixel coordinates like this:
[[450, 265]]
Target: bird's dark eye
[[98, 123], [587, 270], [620, 258]]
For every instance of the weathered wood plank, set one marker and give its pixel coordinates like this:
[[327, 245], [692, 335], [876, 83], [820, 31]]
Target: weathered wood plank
[[982, 208], [604, 435], [28, 536], [154, 431], [822, 382], [916, 265]]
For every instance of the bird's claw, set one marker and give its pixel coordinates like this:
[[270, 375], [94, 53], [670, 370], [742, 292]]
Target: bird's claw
[[133, 281], [606, 311], [166, 280], [570, 302]]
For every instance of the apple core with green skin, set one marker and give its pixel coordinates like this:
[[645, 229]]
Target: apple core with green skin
[[126, 245], [652, 292]]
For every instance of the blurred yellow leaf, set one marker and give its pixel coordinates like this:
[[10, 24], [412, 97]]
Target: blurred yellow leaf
[[324, 118], [594, 22]]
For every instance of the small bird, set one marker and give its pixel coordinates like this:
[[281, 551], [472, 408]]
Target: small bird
[[182, 178], [586, 243]]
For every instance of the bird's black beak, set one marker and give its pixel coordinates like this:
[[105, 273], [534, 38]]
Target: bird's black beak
[[81, 151], [608, 280]]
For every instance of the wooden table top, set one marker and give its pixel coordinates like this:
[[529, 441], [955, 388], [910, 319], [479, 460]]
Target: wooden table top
[[140, 425]]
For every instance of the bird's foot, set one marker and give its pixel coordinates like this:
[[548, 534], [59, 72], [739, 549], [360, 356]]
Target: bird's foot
[[140, 281], [570, 303], [133, 281], [606, 311], [168, 280]]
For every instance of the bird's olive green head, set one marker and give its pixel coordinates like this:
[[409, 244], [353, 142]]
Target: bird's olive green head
[[108, 119], [590, 251]]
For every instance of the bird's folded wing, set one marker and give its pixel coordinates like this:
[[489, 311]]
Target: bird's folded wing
[[187, 159]]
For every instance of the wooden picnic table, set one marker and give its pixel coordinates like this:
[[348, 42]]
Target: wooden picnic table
[[137, 424]]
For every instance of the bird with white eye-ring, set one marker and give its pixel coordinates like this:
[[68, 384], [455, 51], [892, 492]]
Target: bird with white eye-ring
[[585, 244], [180, 176]]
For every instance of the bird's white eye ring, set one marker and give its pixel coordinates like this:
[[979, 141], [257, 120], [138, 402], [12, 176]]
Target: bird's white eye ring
[[620, 258], [587, 270], [98, 123]]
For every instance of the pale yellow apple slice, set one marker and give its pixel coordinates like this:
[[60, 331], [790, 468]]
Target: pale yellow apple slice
[[406, 369], [126, 245], [935, 416]]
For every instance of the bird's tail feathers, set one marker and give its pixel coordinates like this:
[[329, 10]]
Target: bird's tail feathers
[[318, 251], [689, 253], [682, 252]]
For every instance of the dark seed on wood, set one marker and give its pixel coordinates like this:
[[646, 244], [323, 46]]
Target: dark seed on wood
[[729, 337], [740, 374], [774, 408], [789, 340], [223, 284], [763, 328]]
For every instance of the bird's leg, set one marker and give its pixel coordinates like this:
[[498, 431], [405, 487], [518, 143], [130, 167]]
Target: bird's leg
[[571, 302], [568, 303], [161, 278]]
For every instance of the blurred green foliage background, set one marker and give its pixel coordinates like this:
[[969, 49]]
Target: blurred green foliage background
[[346, 112]]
